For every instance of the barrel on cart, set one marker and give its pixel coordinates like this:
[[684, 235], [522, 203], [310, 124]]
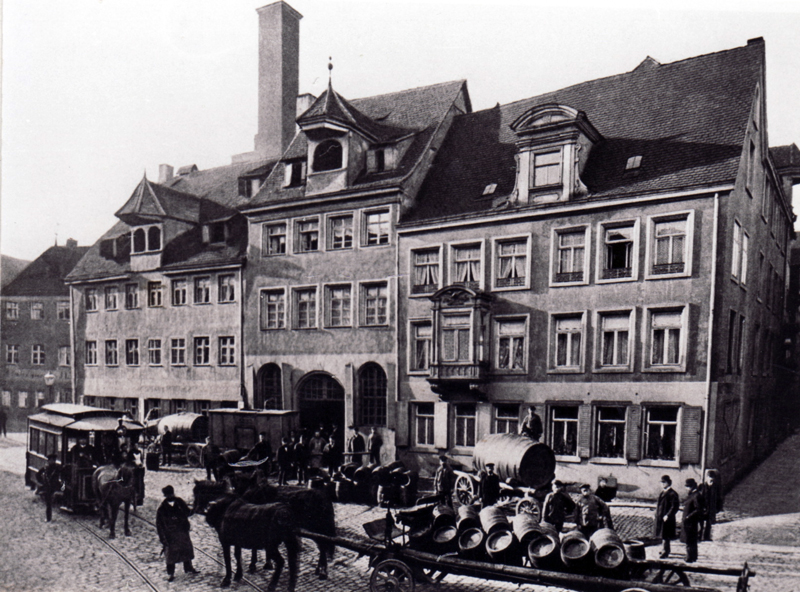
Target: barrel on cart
[[189, 431]]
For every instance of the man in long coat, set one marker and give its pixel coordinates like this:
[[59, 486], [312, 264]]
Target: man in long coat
[[50, 482], [443, 481], [557, 506], [692, 514], [666, 508], [489, 487], [356, 445], [711, 492], [172, 524]]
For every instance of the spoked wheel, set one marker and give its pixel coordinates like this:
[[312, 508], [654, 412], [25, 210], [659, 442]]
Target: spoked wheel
[[391, 575], [529, 505], [464, 490], [673, 576]]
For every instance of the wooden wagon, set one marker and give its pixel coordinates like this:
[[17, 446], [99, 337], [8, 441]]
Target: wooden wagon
[[189, 431]]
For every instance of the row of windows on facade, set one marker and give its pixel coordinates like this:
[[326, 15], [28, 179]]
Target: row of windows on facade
[[337, 311], [24, 400], [306, 234], [155, 408], [763, 347], [770, 284], [37, 310], [38, 355], [179, 293], [771, 209], [156, 356], [571, 430]]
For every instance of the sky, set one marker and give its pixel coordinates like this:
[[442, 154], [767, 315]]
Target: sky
[[97, 93]]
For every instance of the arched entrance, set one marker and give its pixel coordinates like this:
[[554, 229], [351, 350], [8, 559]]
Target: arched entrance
[[268, 389], [321, 401]]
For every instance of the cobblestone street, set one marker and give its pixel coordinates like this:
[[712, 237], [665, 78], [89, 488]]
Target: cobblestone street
[[64, 555]]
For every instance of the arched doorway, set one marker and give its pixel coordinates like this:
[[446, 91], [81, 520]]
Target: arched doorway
[[268, 391], [321, 401]]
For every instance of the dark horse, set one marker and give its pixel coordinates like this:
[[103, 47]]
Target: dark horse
[[313, 510], [114, 486], [254, 526]]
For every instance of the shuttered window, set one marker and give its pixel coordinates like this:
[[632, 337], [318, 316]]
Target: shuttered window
[[691, 435], [634, 428], [585, 431]]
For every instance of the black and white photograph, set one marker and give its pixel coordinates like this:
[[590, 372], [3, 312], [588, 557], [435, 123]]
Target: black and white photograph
[[399, 296]]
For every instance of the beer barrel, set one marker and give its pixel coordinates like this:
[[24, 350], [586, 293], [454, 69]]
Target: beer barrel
[[443, 515], [609, 552], [517, 458], [470, 543], [382, 475], [444, 540], [493, 519], [362, 474], [635, 550], [502, 546], [467, 517], [349, 469], [544, 548], [344, 490], [575, 548], [524, 525], [398, 464]]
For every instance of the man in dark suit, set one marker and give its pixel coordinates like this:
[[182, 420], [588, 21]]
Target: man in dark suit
[[692, 514], [531, 425], [490, 486], [711, 492], [50, 482], [666, 509]]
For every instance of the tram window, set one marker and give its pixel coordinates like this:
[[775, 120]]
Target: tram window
[[71, 441], [34, 440]]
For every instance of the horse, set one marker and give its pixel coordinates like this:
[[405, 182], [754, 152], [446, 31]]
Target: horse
[[255, 526], [114, 486], [313, 510]]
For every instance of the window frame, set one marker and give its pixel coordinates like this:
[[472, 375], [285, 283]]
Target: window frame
[[63, 310], [649, 311], [599, 315], [296, 290], [111, 297], [266, 245], [299, 235], [131, 296], [203, 348], [38, 354], [327, 291], [596, 458], [331, 234], [645, 438], [496, 242], [413, 339], [151, 350], [552, 345], [204, 292], [177, 348], [155, 288], [90, 352], [12, 311], [179, 286], [551, 432], [264, 312], [532, 186], [440, 333], [496, 322], [412, 267], [555, 255], [91, 301], [363, 286], [226, 350], [226, 288], [467, 433], [507, 419], [365, 227], [12, 353], [132, 357], [64, 356], [602, 249], [37, 311], [688, 248], [111, 352], [452, 248], [430, 424]]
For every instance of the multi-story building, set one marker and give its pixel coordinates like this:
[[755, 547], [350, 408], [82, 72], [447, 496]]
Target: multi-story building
[[35, 328]]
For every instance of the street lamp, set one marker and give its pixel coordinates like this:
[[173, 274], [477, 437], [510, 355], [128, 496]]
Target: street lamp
[[49, 380]]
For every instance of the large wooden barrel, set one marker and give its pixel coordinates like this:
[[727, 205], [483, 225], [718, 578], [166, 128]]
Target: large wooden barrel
[[544, 548], [524, 526], [492, 519], [470, 543], [467, 517], [575, 548], [443, 515], [517, 458], [609, 551], [349, 469], [502, 546], [444, 540], [185, 427]]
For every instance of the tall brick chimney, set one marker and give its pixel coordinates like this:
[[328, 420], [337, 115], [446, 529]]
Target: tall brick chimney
[[278, 78]]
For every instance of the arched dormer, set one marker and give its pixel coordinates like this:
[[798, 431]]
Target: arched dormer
[[553, 145], [327, 156]]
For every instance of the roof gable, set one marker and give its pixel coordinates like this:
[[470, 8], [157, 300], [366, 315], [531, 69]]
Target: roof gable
[[45, 275]]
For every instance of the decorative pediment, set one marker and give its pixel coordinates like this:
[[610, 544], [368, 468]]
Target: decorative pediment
[[459, 297], [545, 119]]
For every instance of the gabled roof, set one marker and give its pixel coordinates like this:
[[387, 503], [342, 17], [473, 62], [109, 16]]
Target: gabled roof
[[686, 119], [44, 276]]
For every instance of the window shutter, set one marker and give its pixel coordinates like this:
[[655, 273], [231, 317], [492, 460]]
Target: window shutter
[[403, 429], [206, 234], [287, 174], [440, 425], [585, 431], [634, 436], [691, 435], [389, 158], [371, 161], [303, 171]]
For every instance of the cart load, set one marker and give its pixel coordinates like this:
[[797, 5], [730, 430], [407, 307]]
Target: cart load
[[517, 459], [189, 432]]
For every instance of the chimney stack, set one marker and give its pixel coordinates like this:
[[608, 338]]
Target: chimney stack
[[72, 243], [164, 174], [278, 78]]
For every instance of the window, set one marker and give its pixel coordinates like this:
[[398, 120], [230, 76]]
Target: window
[[465, 425], [37, 311], [751, 168], [568, 342], [610, 432], [506, 419], [511, 352], [740, 353], [294, 173], [670, 245], [729, 427], [743, 266], [305, 305], [90, 296], [269, 391], [375, 303], [180, 291], [737, 250], [615, 332], [154, 238], [202, 351], [111, 297], [570, 256], [376, 228], [64, 356], [466, 265], [667, 338], [732, 326], [249, 186], [423, 424], [564, 430], [225, 289], [634, 162], [273, 239], [202, 290], [62, 311], [380, 160], [547, 169], [420, 354], [139, 245], [37, 355], [91, 353], [425, 278], [12, 354], [22, 399], [112, 356], [227, 351], [327, 156], [154, 297], [6, 399], [618, 251], [456, 337], [217, 232], [131, 296], [340, 232], [511, 263], [372, 389], [178, 351], [307, 235], [661, 433], [132, 352], [12, 310], [154, 352], [761, 276], [338, 306], [273, 309]]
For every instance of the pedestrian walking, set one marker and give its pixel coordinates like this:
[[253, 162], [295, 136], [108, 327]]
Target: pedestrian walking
[[3, 420], [211, 457], [692, 514], [300, 459], [711, 493], [49, 483], [356, 445], [172, 524], [591, 513], [443, 481], [489, 486], [374, 443], [531, 426], [666, 509], [285, 457], [557, 506], [166, 446], [135, 458]]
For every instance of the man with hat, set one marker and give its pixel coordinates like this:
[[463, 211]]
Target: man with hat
[[591, 513], [490, 486], [692, 514], [666, 509], [443, 481], [49, 483], [356, 445], [172, 524], [557, 506], [531, 425]]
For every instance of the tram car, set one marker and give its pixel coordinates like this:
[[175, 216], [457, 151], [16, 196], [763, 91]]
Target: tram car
[[82, 438]]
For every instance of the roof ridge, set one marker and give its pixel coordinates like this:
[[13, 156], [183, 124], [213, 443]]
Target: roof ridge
[[397, 92]]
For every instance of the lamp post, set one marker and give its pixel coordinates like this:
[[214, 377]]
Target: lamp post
[[49, 380]]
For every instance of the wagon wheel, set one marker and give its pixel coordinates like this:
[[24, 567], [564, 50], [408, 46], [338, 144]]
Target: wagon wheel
[[673, 576], [391, 575], [465, 492], [194, 456], [529, 505]]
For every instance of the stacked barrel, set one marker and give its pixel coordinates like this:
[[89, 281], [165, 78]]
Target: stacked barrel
[[389, 485]]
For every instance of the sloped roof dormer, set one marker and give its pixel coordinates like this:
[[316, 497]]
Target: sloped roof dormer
[[553, 144], [151, 202]]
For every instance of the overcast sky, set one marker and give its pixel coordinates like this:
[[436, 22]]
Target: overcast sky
[[95, 93]]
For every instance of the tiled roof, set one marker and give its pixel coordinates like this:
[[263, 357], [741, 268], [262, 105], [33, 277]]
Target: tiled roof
[[785, 156], [686, 120], [44, 276]]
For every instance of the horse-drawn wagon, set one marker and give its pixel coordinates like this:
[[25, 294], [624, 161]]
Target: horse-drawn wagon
[[189, 431], [239, 428]]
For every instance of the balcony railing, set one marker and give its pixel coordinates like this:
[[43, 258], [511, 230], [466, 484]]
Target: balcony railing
[[463, 372]]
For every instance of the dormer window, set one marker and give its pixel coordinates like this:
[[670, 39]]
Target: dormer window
[[328, 156], [154, 238], [147, 239], [249, 186], [217, 232], [380, 160], [295, 173], [547, 169], [634, 162]]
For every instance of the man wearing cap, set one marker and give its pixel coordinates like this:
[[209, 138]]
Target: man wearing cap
[[262, 449], [591, 513], [666, 509], [172, 524], [557, 506], [692, 514], [356, 445], [443, 481], [490, 486], [531, 426], [49, 483]]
